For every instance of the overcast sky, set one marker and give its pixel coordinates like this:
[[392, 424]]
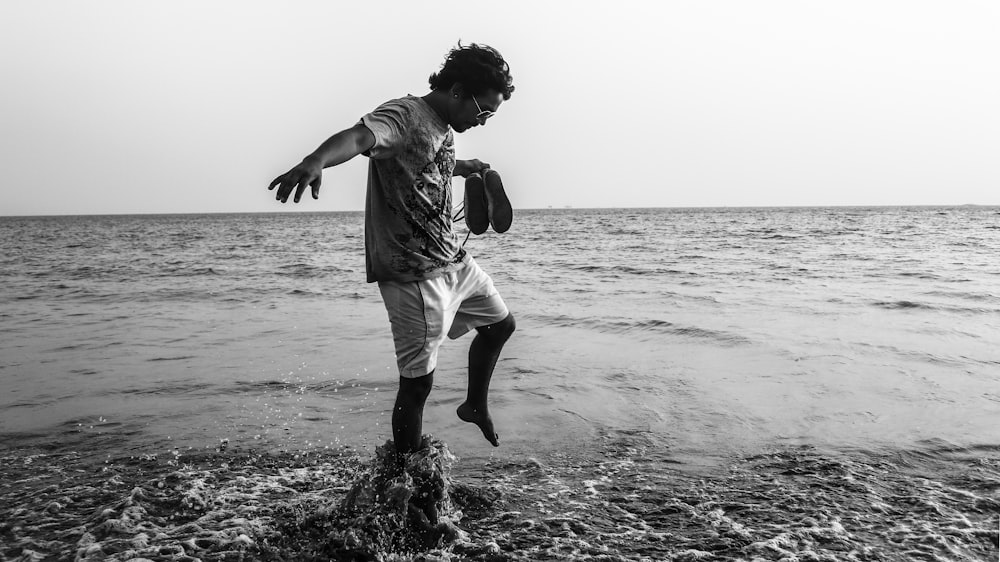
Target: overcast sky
[[131, 106]]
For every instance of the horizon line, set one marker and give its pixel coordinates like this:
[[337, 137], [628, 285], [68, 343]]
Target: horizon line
[[548, 208]]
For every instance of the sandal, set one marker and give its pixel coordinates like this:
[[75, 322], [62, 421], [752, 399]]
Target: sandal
[[499, 211]]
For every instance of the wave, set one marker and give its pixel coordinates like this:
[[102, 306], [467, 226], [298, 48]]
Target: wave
[[925, 357], [309, 271], [201, 271], [904, 305], [978, 297], [630, 270], [781, 237], [168, 389], [914, 305], [643, 328]]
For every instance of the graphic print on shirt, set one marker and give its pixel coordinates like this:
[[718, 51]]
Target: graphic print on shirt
[[426, 208]]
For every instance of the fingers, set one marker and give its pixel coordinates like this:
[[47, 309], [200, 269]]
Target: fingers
[[296, 181], [281, 182], [285, 184], [285, 187], [300, 187]]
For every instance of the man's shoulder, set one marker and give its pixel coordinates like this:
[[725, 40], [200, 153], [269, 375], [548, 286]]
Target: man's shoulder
[[414, 110], [406, 105]]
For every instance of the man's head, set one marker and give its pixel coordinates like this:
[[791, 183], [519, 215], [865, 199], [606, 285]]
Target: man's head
[[477, 80]]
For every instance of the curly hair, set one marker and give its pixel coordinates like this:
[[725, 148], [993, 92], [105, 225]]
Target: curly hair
[[477, 68]]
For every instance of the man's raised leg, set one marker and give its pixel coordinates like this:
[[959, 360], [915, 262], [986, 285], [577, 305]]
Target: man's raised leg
[[408, 413], [483, 355]]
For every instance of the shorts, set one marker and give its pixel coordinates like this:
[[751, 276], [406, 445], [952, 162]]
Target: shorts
[[423, 312]]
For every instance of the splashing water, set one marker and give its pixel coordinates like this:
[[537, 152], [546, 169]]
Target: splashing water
[[629, 504], [399, 504]]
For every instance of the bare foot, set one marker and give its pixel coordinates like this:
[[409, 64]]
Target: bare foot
[[480, 418]]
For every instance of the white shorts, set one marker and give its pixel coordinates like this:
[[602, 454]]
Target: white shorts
[[423, 312]]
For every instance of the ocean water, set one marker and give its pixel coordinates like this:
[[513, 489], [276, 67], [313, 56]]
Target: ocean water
[[685, 384]]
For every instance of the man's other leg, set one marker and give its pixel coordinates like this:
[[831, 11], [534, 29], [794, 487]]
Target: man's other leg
[[483, 355], [408, 413]]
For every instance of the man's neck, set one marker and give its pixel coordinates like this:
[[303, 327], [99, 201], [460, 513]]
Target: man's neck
[[438, 100]]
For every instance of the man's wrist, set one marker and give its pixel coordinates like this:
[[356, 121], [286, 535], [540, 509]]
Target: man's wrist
[[313, 160]]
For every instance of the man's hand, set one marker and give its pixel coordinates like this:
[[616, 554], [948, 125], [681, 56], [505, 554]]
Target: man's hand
[[334, 151], [308, 172], [465, 168]]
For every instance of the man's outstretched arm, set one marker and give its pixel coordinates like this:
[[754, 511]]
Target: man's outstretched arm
[[337, 149]]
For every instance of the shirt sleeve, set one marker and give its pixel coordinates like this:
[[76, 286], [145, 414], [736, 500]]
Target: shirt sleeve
[[387, 123]]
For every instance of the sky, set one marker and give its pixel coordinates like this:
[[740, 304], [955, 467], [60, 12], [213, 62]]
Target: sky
[[181, 106]]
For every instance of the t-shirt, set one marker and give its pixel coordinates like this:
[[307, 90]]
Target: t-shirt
[[408, 214]]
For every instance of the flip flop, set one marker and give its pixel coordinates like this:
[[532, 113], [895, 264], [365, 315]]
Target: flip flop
[[477, 216], [500, 213]]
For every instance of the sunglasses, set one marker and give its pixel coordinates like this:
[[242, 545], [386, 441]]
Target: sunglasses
[[482, 116]]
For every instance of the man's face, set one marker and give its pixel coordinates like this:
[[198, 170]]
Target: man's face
[[476, 110]]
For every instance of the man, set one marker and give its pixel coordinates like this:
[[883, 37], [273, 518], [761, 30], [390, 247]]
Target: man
[[430, 285]]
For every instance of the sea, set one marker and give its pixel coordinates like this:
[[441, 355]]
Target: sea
[[797, 384]]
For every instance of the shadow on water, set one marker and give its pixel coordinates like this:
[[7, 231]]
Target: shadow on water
[[627, 502]]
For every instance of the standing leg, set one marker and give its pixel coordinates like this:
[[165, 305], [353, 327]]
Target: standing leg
[[483, 357], [408, 413]]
